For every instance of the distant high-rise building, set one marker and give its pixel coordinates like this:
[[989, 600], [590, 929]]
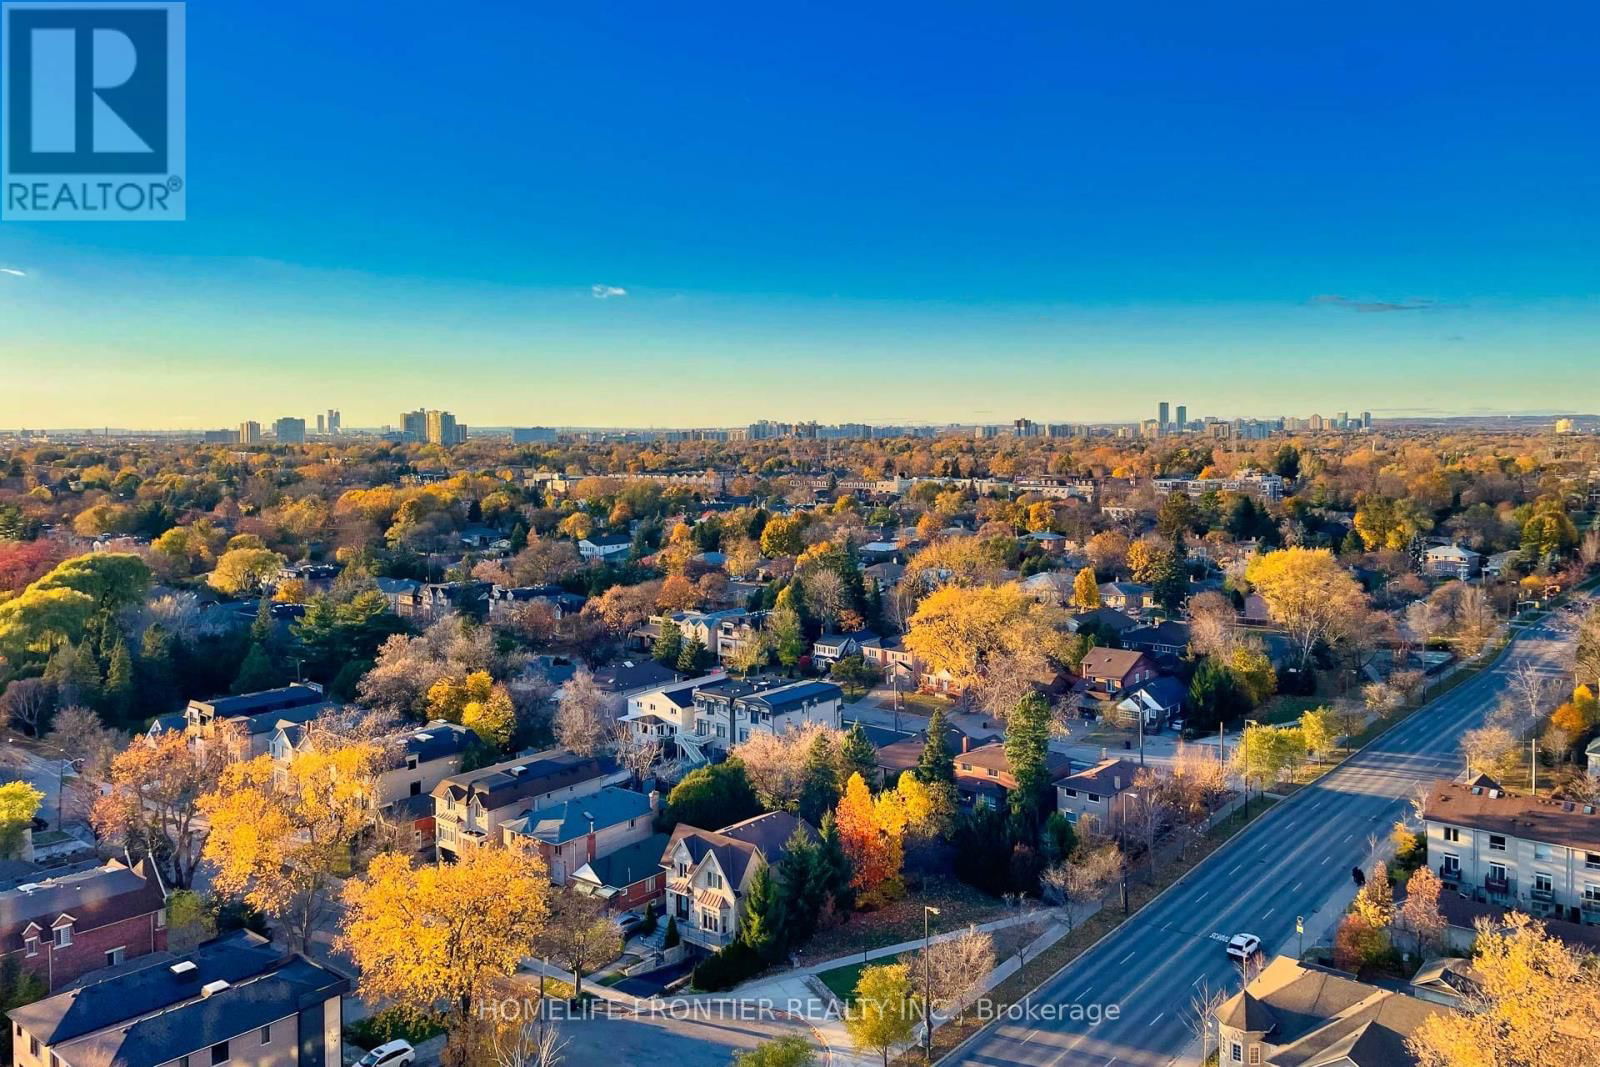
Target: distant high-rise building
[[1025, 428], [1366, 420], [1161, 419], [1342, 421], [321, 425], [220, 437], [441, 428], [334, 419], [414, 425], [290, 431], [528, 435], [249, 433], [1183, 417]]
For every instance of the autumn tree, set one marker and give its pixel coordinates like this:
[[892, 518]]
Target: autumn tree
[[1419, 913], [19, 803], [422, 937], [1083, 878], [243, 571], [872, 832], [580, 719], [1320, 728], [959, 630], [477, 702], [956, 969], [1534, 1002], [1375, 901], [281, 835], [152, 801], [885, 1011], [1309, 594], [579, 933], [1085, 590]]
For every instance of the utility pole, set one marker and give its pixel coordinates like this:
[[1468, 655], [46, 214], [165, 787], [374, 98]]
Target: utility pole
[[1533, 765], [927, 988]]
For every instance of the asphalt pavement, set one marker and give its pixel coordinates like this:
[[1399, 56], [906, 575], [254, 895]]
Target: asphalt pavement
[[1293, 860]]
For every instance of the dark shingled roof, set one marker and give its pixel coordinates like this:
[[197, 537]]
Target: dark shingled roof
[[93, 897]]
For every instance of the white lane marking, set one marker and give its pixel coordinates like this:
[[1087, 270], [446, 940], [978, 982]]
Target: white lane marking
[[1157, 1019], [1297, 886], [1203, 896], [1348, 836], [1268, 915], [1236, 867], [1126, 958], [1325, 860]]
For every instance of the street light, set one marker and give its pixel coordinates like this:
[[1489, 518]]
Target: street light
[[60, 767], [927, 987]]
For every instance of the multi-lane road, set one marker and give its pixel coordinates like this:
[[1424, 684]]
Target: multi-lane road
[[1291, 861]]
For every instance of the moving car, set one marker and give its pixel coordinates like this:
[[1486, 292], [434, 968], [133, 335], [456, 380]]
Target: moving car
[[1242, 947], [390, 1054]]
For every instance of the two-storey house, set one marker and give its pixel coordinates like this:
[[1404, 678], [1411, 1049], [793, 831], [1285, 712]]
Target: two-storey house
[[236, 1000], [984, 777], [728, 711], [1092, 794], [578, 830], [249, 721], [1539, 855], [470, 807], [62, 927], [709, 871]]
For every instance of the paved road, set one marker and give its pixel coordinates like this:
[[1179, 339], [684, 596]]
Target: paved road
[[1293, 860]]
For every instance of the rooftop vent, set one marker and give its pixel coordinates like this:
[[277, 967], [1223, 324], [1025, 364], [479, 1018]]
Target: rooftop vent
[[521, 768], [184, 968], [213, 988], [29, 887]]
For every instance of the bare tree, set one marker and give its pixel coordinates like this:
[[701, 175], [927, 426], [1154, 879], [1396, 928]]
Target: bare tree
[[580, 933], [580, 721], [637, 752], [1084, 877], [1533, 690], [1204, 1002], [28, 703], [957, 967], [78, 731], [526, 1043]]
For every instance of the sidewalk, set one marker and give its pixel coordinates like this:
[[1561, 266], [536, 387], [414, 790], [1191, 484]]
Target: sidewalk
[[891, 951]]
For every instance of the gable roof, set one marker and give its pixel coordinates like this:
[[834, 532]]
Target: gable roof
[[1107, 778], [737, 847], [627, 865], [92, 897], [1109, 662], [281, 699], [509, 781], [568, 820]]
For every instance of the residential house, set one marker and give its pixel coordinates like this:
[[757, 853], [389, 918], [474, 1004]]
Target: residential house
[[831, 648], [1049, 540], [1126, 597], [235, 1000], [725, 634], [1092, 792], [1111, 670], [605, 548], [253, 718], [435, 600], [983, 774], [504, 600], [1159, 700], [729, 710], [891, 656], [1451, 561], [629, 878], [1050, 587], [1297, 1014], [470, 807], [1170, 638], [901, 752], [1502, 564], [398, 590], [1514, 850], [1102, 618], [571, 832], [624, 679], [709, 871], [65, 925]]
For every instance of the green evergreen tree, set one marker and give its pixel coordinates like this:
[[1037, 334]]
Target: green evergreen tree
[[117, 696], [833, 866], [262, 629], [1026, 746], [76, 674], [154, 669], [761, 917], [670, 939], [801, 887], [788, 628], [819, 793], [858, 755], [936, 764], [692, 658], [256, 672], [669, 643]]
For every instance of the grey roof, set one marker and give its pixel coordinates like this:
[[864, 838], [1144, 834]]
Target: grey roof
[[786, 697], [633, 674], [1165, 689], [150, 1015], [269, 721], [627, 865], [289, 696], [436, 740], [568, 820], [505, 783], [93, 897], [737, 846]]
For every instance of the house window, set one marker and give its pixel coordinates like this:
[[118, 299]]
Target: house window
[[116, 955], [1451, 834], [33, 945], [1591, 894], [1238, 1052], [161, 919], [219, 1053], [1072, 817], [266, 1034], [714, 880], [1073, 793], [63, 936], [1452, 863], [183, 1061], [1543, 852], [1497, 872], [1542, 883], [1094, 798], [411, 763], [1255, 1054], [416, 789], [1497, 843], [992, 772], [1591, 861]]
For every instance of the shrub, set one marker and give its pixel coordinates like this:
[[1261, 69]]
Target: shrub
[[727, 967], [388, 1025]]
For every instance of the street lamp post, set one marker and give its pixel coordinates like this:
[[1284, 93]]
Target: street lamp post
[[927, 987], [60, 768]]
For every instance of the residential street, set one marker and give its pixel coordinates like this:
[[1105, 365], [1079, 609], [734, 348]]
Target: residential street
[[1295, 860]]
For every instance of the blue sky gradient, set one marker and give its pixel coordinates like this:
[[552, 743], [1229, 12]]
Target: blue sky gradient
[[881, 212]]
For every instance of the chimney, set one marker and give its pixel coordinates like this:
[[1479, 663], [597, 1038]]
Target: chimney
[[966, 743], [589, 841], [655, 800]]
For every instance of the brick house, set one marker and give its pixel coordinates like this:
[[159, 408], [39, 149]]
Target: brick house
[[628, 878], [571, 833], [1111, 670], [470, 807], [63, 927], [983, 774]]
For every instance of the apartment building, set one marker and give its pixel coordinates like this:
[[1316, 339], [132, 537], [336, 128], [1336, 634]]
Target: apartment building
[[1539, 855]]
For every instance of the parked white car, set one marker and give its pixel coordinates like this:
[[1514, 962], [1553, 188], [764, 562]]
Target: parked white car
[[390, 1054]]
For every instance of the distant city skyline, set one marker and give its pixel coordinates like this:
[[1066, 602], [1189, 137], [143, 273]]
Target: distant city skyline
[[888, 215]]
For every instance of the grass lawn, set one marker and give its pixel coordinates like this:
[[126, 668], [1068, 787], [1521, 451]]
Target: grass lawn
[[959, 905], [841, 981], [1283, 709]]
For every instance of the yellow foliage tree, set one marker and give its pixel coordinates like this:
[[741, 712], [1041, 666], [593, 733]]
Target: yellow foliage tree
[[280, 836], [1309, 594], [959, 630], [1085, 590], [872, 833], [441, 935], [1537, 1003]]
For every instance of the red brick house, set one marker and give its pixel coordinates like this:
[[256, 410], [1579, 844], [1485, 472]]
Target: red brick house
[[1111, 670], [63, 927], [628, 878]]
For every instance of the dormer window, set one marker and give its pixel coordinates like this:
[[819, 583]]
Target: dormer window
[[32, 944], [63, 935]]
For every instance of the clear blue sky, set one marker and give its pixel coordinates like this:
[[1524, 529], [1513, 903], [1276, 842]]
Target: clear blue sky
[[864, 211]]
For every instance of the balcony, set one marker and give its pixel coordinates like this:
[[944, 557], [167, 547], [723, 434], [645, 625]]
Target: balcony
[[1500, 886], [1544, 896], [1449, 875]]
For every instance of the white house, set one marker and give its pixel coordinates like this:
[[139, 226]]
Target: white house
[[602, 548], [708, 872]]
